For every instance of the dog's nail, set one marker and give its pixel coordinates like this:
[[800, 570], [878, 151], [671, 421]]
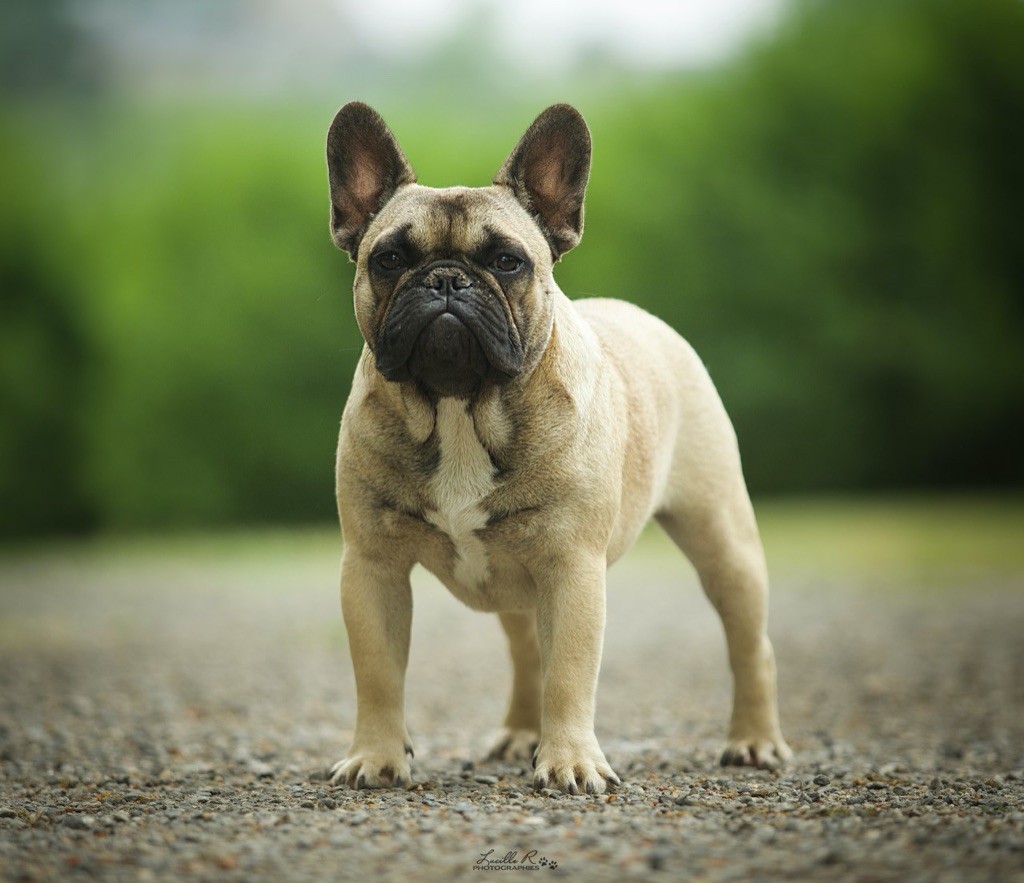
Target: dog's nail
[[408, 750], [361, 782], [573, 789]]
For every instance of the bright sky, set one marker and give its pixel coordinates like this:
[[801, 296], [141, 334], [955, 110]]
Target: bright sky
[[642, 32]]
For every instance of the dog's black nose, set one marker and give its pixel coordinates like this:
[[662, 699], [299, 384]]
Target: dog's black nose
[[449, 280]]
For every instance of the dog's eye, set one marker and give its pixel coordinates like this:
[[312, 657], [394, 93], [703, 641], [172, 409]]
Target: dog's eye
[[506, 263], [389, 261]]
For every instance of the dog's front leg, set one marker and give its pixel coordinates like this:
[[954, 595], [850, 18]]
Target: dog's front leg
[[376, 600], [570, 624]]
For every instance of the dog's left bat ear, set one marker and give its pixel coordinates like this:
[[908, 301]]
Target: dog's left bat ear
[[365, 166], [548, 171]]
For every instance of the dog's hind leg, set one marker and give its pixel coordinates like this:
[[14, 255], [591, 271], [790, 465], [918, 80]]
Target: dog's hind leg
[[707, 513], [725, 549], [518, 737]]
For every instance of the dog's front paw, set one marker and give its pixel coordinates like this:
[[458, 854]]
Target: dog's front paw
[[512, 745], [766, 753], [573, 766], [372, 769]]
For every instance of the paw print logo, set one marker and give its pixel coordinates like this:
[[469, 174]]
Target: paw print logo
[[552, 864], [543, 862]]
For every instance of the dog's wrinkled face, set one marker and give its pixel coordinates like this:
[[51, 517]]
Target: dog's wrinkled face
[[452, 285], [445, 291]]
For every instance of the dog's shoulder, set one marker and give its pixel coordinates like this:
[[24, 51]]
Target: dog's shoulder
[[643, 347]]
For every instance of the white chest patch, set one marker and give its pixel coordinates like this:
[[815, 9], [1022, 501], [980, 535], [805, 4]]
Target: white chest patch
[[464, 477]]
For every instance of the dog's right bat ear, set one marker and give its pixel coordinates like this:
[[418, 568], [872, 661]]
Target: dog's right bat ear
[[365, 166]]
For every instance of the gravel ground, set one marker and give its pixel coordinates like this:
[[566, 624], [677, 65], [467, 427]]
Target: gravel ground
[[170, 714]]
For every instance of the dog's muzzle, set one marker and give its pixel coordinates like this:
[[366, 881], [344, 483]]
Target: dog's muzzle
[[449, 332]]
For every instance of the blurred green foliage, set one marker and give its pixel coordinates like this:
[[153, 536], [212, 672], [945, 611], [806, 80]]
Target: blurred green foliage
[[836, 226], [832, 220]]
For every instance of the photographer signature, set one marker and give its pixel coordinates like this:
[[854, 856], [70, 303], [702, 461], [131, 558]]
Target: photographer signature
[[511, 860]]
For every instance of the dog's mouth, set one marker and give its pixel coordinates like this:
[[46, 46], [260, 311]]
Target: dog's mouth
[[447, 358], [449, 332]]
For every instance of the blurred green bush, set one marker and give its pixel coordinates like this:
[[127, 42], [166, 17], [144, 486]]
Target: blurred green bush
[[832, 220], [835, 225]]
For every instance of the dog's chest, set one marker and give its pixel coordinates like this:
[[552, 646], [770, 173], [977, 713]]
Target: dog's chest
[[463, 478]]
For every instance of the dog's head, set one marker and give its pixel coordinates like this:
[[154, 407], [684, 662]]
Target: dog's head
[[453, 286]]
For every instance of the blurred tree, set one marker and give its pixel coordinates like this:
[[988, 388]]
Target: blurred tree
[[43, 361], [227, 358]]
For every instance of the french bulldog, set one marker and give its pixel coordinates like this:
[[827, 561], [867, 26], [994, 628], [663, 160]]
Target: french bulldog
[[515, 443]]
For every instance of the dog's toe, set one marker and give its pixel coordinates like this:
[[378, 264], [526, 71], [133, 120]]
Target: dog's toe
[[361, 771], [768, 754], [513, 745], [573, 768]]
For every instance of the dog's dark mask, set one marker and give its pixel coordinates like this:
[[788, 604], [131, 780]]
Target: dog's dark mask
[[446, 328]]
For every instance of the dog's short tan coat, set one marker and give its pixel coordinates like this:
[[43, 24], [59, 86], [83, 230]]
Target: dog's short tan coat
[[519, 495]]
